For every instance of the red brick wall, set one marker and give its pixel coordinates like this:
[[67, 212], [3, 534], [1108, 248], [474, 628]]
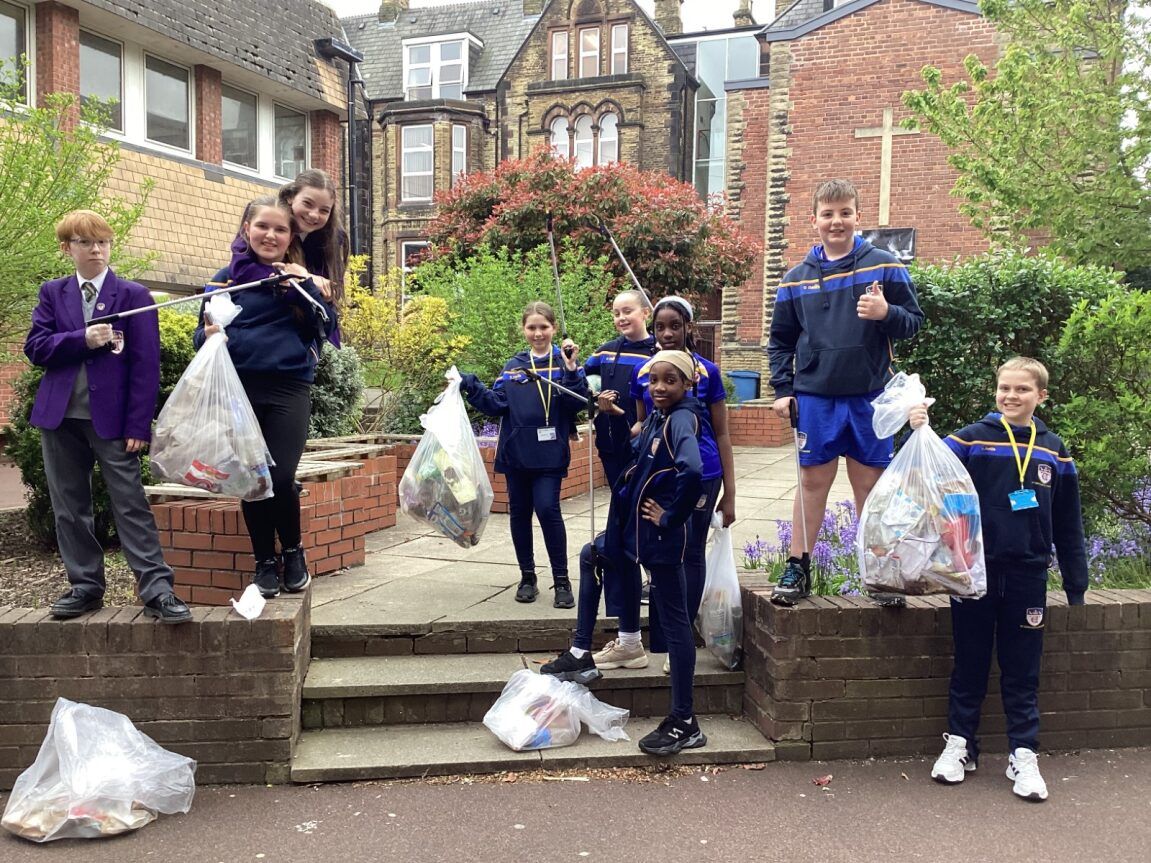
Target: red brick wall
[[9, 371], [753, 424], [209, 143], [753, 212], [57, 50], [326, 143]]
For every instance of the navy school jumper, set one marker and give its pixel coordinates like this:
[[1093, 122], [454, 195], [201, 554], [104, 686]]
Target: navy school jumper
[[615, 362], [1017, 548]]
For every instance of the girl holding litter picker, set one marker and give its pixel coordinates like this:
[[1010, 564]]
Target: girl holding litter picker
[[533, 451], [320, 242], [272, 344]]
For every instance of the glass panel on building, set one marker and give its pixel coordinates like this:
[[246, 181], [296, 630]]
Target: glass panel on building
[[239, 127], [101, 76], [584, 152], [589, 52], [166, 94], [416, 183], [559, 55], [608, 139], [459, 151], [14, 40], [291, 133], [561, 143], [619, 49]]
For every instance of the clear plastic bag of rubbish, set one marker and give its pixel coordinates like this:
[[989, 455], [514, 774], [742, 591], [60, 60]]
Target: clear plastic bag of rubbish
[[720, 618], [207, 435], [920, 530], [445, 484], [96, 775], [902, 393], [538, 711]]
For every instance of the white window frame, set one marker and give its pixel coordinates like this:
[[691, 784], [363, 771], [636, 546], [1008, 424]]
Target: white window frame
[[29, 51], [434, 63], [612, 139], [259, 128], [619, 34], [404, 268], [123, 75], [584, 148], [459, 152], [191, 105], [560, 140], [559, 65], [307, 139], [589, 53], [405, 174]]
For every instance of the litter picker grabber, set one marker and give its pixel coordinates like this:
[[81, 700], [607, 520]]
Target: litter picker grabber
[[793, 417], [602, 227], [559, 289]]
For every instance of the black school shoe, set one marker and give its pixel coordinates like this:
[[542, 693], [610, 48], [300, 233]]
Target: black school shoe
[[267, 578], [564, 598], [673, 735], [168, 608], [567, 667], [74, 603], [527, 591], [296, 575]]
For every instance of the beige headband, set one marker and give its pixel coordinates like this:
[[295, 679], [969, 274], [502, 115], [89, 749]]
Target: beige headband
[[682, 360]]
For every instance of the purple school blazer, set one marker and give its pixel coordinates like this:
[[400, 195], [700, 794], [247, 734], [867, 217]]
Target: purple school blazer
[[122, 387]]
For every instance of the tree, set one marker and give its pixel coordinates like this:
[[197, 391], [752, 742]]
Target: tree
[[672, 239], [1056, 142], [55, 161]]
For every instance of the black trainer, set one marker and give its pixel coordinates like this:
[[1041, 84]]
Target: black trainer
[[562, 586], [168, 608], [794, 584], [567, 667], [672, 735], [74, 603], [296, 575], [527, 591], [267, 578]]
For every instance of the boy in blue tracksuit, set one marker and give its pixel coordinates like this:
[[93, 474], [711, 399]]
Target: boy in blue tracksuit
[[836, 316], [1028, 500], [651, 506], [532, 451]]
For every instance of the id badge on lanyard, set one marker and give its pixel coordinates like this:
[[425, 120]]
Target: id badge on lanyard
[[1022, 498]]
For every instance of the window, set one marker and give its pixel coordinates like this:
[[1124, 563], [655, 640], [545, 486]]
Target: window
[[608, 139], [584, 151], [166, 101], [239, 127], [412, 253], [560, 55], [435, 70], [589, 52], [102, 75], [459, 152], [619, 49], [14, 40], [291, 137], [718, 60], [416, 181], [561, 143]]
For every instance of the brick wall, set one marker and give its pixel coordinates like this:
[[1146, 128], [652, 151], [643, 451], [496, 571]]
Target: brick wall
[[11, 367], [209, 140], [838, 677], [57, 51], [220, 689], [755, 424], [327, 144], [207, 545]]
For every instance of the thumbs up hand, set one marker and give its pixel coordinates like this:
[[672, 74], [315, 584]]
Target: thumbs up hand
[[872, 306]]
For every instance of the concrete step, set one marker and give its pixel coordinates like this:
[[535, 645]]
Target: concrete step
[[395, 690], [399, 751]]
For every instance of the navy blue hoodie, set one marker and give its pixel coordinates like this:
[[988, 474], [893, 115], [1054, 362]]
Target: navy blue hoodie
[[526, 406], [668, 469], [615, 362], [1020, 542], [818, 343]]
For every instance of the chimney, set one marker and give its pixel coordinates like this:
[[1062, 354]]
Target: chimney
[[667, 17], [390, 10], [533, 7], [742, 16]]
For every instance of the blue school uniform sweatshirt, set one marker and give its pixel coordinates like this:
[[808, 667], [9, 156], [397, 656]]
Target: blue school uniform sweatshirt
[[526, 406], [1019, 543], [615, 362], [709, 390], [818, 344]]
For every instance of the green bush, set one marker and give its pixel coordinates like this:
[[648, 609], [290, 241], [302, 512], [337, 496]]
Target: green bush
[[337, 394], [1104, 413], [24, 439], [984, 311]]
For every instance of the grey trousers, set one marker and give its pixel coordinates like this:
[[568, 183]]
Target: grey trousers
[[70, 452]]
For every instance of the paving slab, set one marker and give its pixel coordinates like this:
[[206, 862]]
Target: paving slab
[[364, 677], [401, 607]]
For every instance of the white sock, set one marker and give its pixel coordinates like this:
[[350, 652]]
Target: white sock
[[577, 652], [629, 639]]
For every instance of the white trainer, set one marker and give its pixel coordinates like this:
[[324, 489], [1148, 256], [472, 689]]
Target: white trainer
[[1023, 770], [953, 763], [615, 654]]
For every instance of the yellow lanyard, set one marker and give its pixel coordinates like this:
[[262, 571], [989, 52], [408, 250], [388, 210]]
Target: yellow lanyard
[[547, 401], [1022, 465]]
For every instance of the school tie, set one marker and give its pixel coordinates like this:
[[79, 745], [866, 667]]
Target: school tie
[[89, 292]]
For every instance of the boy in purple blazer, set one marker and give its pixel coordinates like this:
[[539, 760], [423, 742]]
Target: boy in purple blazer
[[95, 404]]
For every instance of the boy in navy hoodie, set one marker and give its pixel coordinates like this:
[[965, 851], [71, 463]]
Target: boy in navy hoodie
[[830, 348], [1028, 500]]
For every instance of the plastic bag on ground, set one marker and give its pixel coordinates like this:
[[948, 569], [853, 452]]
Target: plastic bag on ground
[[538, 711], [207, 435], [96, 775], [720, 618], [920, 531], [445, 484]]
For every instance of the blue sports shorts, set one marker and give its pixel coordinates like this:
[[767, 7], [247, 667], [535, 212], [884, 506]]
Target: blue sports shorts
[[831, 426]]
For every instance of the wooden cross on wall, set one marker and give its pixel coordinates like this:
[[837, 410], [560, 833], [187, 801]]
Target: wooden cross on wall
[[885, 133]]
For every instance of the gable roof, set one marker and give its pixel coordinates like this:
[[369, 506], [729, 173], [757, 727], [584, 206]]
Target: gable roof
[[499, 24], [805, 16]]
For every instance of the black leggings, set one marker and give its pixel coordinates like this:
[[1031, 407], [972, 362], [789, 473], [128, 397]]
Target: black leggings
[[283, 407]]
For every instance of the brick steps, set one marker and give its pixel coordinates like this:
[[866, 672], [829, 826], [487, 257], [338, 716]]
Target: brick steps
[[394, 690], [343, 754]]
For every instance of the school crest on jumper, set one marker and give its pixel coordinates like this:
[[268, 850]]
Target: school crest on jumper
[[1043, 471], [801, 439], [1035, 617]]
